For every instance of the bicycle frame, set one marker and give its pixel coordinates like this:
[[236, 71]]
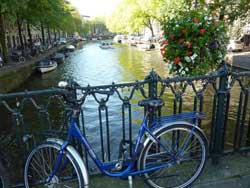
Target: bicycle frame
[[74, 132]]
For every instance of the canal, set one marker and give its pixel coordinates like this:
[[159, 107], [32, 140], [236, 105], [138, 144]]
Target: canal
[[90, 64]]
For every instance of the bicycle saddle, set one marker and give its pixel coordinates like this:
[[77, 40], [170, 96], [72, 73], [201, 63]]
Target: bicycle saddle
[[151, 102]]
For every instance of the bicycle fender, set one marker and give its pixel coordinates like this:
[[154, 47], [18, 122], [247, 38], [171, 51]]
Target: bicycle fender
[[174, 123], [77, 157]]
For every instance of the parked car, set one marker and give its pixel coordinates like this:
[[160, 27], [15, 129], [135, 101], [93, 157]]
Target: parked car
[[235, 45]]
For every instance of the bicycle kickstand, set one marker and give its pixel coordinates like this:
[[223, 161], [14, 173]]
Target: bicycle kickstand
[[130, 181]]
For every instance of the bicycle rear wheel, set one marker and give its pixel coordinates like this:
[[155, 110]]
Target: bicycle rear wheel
[[41, 162], [183, 149]]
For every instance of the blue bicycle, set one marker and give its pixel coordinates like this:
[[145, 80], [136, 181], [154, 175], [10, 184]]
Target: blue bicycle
[[170, 152]]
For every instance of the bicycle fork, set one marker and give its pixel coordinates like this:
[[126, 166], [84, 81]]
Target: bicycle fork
[[58, 162]]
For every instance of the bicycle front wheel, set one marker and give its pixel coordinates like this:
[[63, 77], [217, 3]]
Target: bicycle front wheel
[[41, 162], [181, 153]]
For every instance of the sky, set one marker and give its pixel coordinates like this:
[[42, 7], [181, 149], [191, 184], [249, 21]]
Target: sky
[[95, 8]]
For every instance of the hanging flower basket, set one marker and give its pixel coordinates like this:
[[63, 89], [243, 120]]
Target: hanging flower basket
[[194, 43]]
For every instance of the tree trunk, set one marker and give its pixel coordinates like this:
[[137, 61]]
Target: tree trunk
[[3, 39], [151, 27], [43, 37], [148, 24], [49, 36], [30, 36], [152, 30], [19, 26], [54, 35]]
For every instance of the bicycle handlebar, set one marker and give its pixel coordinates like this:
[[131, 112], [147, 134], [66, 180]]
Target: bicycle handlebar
[[72, 85]]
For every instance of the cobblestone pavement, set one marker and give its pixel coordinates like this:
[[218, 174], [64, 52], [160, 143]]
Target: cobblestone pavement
[[233, 171]]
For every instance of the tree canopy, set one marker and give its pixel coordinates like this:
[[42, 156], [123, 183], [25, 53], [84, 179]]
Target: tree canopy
[[58, 15], [133, 15]]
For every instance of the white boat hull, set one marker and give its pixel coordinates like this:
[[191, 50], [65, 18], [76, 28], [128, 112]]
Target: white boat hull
[[107, 47], [47, 69]]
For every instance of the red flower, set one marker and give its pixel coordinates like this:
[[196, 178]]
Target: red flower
[[202, 31], [163, 52], [181, 40], [183, 31], [171, 37], [188, 44], [164, 43], [196, 20], [189, 53], [177, 60], [162, 49]]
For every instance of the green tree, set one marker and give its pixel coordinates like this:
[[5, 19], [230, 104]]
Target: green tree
[[138, 14], [117, 22], [8, 11], [229, 10]]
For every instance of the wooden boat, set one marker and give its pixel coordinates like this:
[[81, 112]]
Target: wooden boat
[[46, 65], [59, 58]]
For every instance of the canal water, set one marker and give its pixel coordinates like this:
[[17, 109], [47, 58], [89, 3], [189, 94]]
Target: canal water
[[90, 64], [95, 66]]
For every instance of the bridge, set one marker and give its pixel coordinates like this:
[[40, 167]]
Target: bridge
[[28, 117]]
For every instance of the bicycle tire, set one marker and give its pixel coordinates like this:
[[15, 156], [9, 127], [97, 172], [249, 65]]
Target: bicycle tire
[[37, 165], [4, 177], [179, 174]]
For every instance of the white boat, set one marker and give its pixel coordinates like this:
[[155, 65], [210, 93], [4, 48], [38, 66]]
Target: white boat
[[70, 48], [118, 39], [46, 65], [146, 46], [106, 45]]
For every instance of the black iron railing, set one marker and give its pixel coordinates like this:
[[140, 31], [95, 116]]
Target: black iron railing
[[110, 112]]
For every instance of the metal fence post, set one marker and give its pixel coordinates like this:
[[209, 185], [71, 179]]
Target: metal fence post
[[220, 119], [152, 79]]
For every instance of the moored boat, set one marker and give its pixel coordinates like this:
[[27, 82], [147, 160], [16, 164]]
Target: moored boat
[[46, 65], [70, 48], [118, 39], [146, 46], [59, 58], [106, 45]]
